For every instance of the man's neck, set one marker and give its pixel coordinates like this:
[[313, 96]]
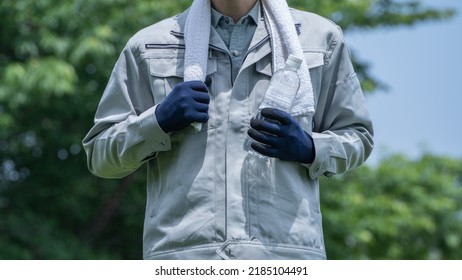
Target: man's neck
[[235, 9]]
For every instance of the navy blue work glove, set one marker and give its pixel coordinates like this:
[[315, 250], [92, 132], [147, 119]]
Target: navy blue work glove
[[279, 135], [188, 102]]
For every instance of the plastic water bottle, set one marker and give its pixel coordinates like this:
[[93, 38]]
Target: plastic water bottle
[[283, 87]]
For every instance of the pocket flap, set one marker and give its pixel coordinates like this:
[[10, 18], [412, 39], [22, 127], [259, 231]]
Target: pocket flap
[[166, 67], [174, 67], [314, 59], [264, 65]]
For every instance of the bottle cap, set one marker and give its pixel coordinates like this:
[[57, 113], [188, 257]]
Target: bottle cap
[[293, 62]]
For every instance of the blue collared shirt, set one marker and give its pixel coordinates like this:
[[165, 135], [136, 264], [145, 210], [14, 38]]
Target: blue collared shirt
[[237, 36]]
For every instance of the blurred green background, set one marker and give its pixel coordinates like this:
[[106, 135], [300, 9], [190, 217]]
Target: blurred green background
[[55, 60]]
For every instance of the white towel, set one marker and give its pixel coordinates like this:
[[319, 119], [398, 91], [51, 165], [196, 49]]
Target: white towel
[[197, 34], [284, 41]]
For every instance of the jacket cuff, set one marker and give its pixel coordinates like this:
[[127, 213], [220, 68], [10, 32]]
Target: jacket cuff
[[327, 151], [157, 139]]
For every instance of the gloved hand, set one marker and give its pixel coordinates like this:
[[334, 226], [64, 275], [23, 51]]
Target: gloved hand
[[279, 135], [188, 102]]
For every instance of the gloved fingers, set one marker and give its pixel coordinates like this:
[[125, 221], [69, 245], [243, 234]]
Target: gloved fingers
[[201, 107], [203, 118], [277, 115], [197, 86], [199, 96], [198, 117], [264, 150], [266, 126], [264, 138]]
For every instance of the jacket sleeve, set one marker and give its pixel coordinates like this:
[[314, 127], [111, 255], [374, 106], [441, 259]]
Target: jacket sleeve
[[342, 130], [125, 132]]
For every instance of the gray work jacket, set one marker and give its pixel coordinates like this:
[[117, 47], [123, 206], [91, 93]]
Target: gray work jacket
[[204, 199]]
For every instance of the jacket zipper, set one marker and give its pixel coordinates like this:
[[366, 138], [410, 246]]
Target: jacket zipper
[[212, 47]]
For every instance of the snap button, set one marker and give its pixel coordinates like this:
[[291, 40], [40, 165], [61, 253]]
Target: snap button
[[236, 53]]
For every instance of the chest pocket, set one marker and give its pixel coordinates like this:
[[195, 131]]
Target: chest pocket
[[315, 60], [166, 69]]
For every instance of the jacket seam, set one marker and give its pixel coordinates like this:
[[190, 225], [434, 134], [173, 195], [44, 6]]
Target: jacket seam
[[237, 242], [333, 45]]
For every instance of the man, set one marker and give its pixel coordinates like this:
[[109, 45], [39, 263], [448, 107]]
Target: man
[[208, 196]]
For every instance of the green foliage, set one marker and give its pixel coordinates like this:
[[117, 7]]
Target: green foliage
[[402, 209], [55, 60]]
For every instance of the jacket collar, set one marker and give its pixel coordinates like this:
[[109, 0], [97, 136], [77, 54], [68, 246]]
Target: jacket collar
[[261, 33], [179, 27]]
